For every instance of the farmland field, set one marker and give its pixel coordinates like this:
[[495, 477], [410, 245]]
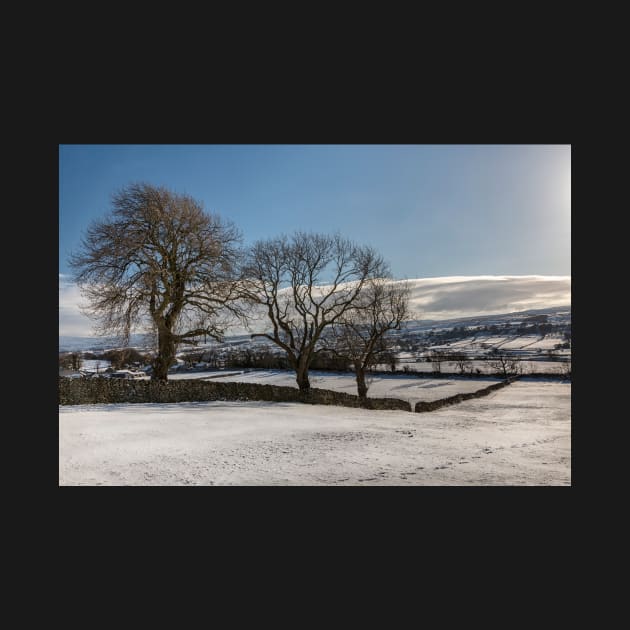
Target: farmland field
[[518, 435]]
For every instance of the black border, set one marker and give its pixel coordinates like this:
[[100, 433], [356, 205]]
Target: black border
[[460, 110]]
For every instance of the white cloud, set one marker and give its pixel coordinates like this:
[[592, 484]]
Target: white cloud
[[463, 296], [72, 323]]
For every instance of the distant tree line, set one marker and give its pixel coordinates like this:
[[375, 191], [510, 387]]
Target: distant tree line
[[117, 359], [71, 360]]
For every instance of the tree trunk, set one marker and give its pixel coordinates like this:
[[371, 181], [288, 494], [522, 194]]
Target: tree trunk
[[165, 355], [302, 377], [361, 385]]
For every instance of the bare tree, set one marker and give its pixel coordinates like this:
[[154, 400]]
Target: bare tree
[[211, 357], [436, 357], [77, 360], [71, 360], [362, 332], [505, 364], [159, 262], [305, 283], [462, 362]]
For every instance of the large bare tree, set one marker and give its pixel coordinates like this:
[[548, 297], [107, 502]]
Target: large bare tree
[[159, 262], [305, 283], [362, 332]]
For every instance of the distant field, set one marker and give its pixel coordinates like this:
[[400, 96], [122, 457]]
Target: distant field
[[536, 353], [529, 367]]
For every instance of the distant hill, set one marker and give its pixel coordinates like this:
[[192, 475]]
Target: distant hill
[[555, 314], [72, 344]]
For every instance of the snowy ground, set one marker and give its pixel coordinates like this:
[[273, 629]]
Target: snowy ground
[[408, 388], [518, 435], [95, 365]]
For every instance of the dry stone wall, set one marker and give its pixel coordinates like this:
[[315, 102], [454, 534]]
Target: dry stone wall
[[83, 391], [453, 400]]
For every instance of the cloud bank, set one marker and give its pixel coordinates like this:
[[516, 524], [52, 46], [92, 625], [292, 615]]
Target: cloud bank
[[431, 298], [466, 296]]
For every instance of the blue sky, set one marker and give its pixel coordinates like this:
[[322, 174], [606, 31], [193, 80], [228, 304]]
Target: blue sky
[[431, 210]]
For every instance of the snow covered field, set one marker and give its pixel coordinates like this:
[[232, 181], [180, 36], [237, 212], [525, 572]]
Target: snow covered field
[[400, 386], [485, 367], [382, 386], [518, 435]]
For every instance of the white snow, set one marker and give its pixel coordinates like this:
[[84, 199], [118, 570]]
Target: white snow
[[400, 386], [95, 365], [547, 343], [518, 435], [408, 388]]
